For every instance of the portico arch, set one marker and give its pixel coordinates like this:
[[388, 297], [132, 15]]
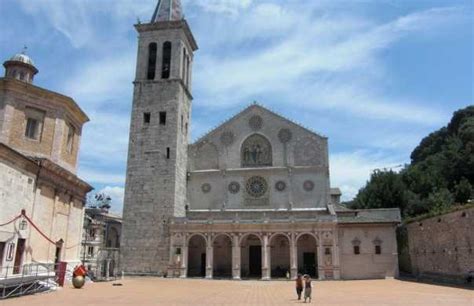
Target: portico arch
[[251, 256], [279, 255], [307, 254], [196, 255], [222, 255]]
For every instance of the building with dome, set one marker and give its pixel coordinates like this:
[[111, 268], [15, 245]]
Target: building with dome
[[252, 198], [40, 132]]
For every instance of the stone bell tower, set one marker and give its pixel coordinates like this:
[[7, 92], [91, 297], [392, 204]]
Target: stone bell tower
[[155, 190]]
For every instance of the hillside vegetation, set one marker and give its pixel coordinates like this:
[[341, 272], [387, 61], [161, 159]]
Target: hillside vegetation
[[441, 173]]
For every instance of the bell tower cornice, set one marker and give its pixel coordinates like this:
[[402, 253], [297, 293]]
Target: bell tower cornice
[[169, 25]]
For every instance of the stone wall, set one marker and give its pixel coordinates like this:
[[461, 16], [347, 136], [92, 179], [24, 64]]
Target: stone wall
[[442, 247], [368, 264], [56, 213], [155, 188]]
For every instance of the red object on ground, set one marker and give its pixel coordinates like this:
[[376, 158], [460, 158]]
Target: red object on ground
[[61, 272], [80, 271]]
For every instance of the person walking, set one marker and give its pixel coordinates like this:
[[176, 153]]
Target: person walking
[[307, 288], [299, 285]]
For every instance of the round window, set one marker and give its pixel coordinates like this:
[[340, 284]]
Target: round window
[[256, 186]]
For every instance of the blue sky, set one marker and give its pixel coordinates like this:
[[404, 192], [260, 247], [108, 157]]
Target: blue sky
[[373, 76]]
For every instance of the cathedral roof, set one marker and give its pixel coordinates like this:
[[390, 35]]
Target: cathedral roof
[[167, 10], [251, 108]]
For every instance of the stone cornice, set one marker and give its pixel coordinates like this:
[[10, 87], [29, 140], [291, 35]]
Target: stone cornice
[[60, 178], [180, 81], [47, 172], [167, 25], [22, 88]]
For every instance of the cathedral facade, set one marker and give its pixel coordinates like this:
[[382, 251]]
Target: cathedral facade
[[252, 198]]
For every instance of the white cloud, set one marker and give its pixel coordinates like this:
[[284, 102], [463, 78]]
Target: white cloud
[[97, 176], [350, 171], [332, 66], [102, 79], [231, 7], [116, 194], [79, 20]]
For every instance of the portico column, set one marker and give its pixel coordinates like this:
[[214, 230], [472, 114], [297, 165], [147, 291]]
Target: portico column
[[209, 259], [235, 257], [293, 257], [184, 260], [265, 258], [320, 258]]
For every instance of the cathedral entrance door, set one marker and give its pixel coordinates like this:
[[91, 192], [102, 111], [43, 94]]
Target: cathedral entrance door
[[255, 261], [203, 264], [309, 264]]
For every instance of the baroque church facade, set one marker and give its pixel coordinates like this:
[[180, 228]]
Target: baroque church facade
[[252, 198], [41, 197]]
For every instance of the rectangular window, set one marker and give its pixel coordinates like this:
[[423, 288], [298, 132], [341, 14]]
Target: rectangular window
[[327, 251], [356, 250], [182, 123], [31, 128], [70, 138], [168, 153], [90, 251], [146, 118], [92, 233], [178, 251], [378, 249], [34, 123], [183, 67], [162, 118]]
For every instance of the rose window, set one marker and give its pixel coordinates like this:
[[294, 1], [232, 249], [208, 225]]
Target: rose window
[[256, 186]]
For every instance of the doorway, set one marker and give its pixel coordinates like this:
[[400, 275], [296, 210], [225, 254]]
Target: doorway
[[203, 264], [2, 250], [255, 261], [197, 256], [20, 248], [307, 250], [309, 260]]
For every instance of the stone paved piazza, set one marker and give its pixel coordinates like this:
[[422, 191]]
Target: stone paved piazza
[[158, 291]]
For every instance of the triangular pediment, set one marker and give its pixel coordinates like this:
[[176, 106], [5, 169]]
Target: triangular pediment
[[256, 109]]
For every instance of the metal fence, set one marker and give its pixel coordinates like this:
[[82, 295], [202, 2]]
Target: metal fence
[[26, 279]]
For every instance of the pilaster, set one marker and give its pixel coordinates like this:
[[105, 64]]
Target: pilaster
[[266, 265], [236, 260], [293, 257]]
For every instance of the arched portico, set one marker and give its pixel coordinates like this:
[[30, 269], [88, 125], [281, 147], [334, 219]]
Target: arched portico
[[280, 262], [307, 254], [196, 265], [222, 256], [251, 256]]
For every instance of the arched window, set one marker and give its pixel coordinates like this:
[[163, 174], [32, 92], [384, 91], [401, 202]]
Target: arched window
[[256, 151], [151, 61], [166, 66]]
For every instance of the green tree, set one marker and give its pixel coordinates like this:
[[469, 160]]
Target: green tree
[[463, 191], [441, 172], [385, 189]]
